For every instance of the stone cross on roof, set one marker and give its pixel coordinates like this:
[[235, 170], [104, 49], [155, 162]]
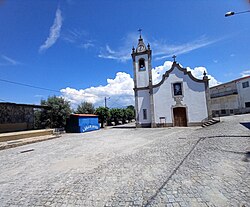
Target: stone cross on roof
[[139, 30], [174, 57]]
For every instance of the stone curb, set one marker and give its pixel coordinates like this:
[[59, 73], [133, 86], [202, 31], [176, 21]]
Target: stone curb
[[20, 142]]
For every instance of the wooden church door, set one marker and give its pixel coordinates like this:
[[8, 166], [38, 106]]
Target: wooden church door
[[180, 117]]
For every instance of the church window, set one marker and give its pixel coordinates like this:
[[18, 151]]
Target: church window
[[177, 87], [142, 65], [223, 111], [144, 113], [247, 104], [245, 84]]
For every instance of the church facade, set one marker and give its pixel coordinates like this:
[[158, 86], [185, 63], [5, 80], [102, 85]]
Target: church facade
[[179, 99]]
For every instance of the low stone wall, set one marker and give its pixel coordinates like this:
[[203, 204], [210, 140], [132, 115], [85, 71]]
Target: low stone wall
[[25, 134]]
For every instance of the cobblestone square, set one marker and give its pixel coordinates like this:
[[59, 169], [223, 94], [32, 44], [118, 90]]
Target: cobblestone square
[[132, 167]]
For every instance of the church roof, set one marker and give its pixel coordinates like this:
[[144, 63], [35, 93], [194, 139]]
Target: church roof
[[184, 70]]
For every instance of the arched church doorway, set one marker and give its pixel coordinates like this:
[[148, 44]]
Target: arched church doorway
[[180, 116]]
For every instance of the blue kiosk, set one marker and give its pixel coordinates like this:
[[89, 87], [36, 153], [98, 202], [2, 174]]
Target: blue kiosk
[[79, 123]]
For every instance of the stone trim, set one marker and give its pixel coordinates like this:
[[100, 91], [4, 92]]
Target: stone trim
[[140, 89], [143, 125], [182, 90], [159, 125], [184, 70], [191, 124], [146, 52]]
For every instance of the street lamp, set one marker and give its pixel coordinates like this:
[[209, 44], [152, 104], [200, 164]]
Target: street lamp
[[231, 13]]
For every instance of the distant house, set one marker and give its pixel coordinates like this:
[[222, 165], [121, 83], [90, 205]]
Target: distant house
[[179, 99], [231, 98], [17, 117]]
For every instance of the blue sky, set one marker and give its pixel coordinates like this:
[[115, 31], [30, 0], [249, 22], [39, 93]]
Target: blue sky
[[81, 48]]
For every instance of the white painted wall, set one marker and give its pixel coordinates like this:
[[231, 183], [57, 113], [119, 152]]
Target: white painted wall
[[243, 93], [194, 98], [233, 101], [225, 102], [144, 103], [142, 77], [163, 102]]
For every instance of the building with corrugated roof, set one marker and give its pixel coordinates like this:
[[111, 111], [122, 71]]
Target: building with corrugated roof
[[17, 117]]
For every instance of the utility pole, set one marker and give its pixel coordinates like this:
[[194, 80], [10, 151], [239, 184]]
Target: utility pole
[[105, 99]]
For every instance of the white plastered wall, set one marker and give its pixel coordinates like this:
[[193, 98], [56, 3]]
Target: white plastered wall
[[243, 93], [142, 77], [194, 98], [144, 103]]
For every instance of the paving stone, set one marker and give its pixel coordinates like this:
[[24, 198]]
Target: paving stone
[[132, 167]]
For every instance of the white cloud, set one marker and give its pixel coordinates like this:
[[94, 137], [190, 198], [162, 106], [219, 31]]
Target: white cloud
[[55, 30], [123, 53], [119, 55], [158, 71], [161, 49], [164, 50], [120, 89], [245, 73], [79, 38], [74, 35], [87, 45], [8, 61], [198, 73]]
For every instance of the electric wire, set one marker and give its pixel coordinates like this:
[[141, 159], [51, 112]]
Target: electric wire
[[113, 103], [38, 87], [30, 86]]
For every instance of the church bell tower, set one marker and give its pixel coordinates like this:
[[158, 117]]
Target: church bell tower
[[141, 56]]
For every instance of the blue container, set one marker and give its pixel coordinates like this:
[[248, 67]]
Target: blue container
[[79, 123]]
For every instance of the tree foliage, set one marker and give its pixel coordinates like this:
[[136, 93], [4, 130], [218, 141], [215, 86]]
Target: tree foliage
[[130, 113], [56, 114], [123, 115], [103, 114], [116, 115], [85, 108]]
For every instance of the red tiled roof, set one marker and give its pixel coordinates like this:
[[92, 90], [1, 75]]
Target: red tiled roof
[[84, 115]]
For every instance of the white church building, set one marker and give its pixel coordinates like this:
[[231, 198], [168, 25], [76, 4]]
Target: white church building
[[179, 99]]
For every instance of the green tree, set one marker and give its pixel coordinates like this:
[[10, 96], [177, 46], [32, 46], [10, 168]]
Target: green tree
[[85, 108], [56, 114], [116, 115], [124, 115], [131, 107], [130, 111], [103, 114]]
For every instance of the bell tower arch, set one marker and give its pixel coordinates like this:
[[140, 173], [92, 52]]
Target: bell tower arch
[[142, 64], [143, 89]]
